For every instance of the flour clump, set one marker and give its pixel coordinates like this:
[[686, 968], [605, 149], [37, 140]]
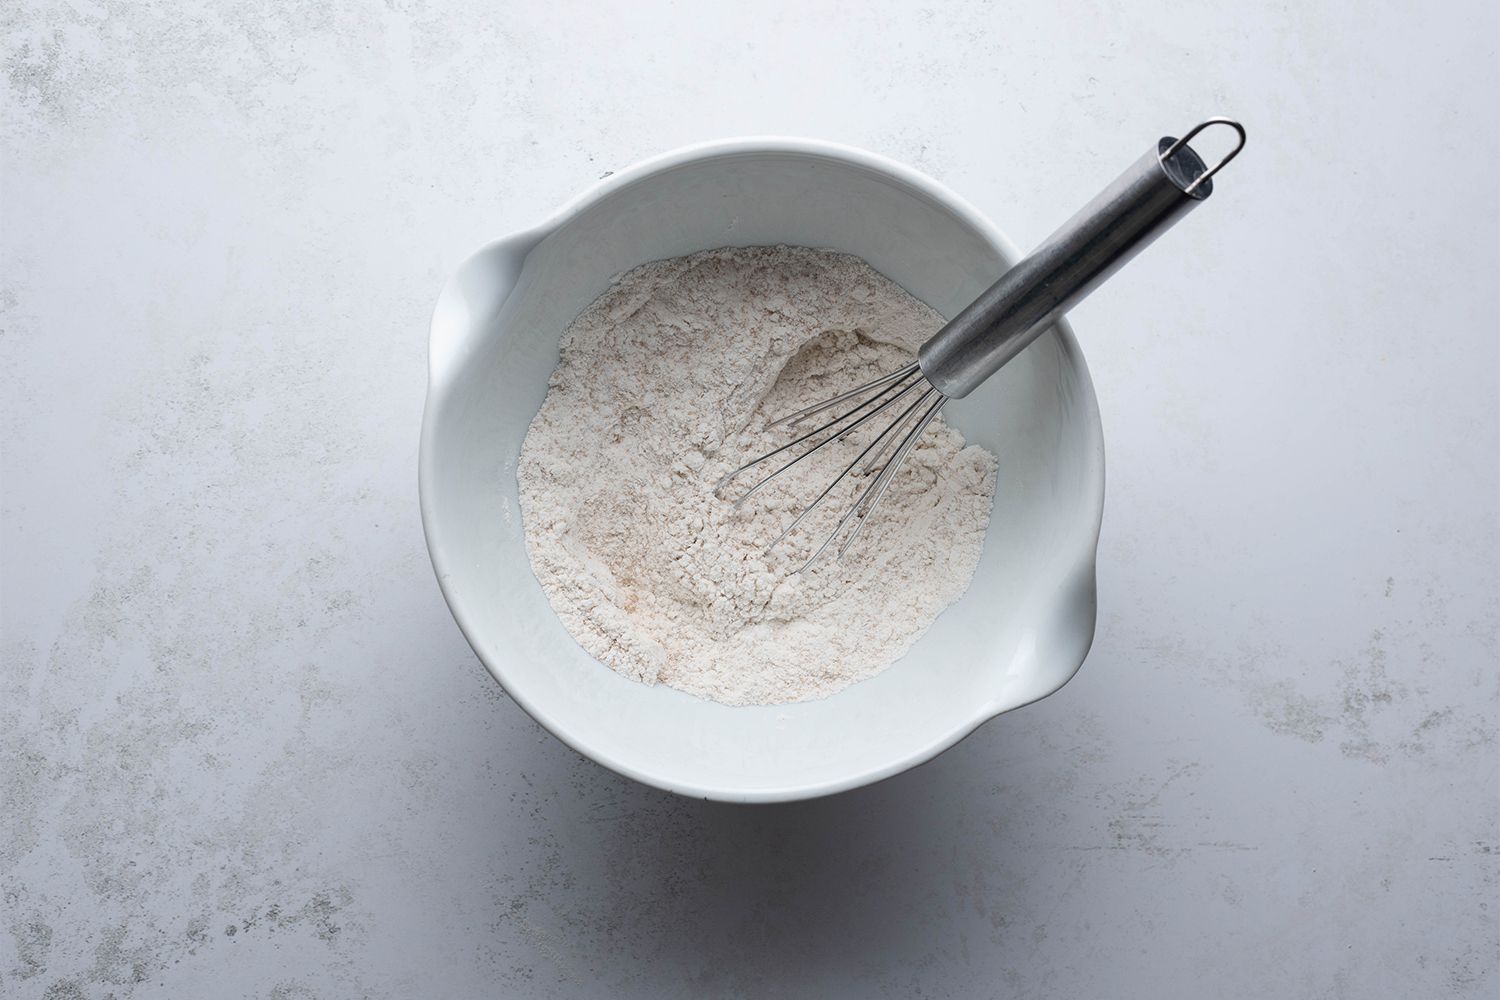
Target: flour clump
[[665, 384]]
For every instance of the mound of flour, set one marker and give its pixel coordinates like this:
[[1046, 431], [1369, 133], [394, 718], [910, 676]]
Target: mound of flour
[[664, 385]]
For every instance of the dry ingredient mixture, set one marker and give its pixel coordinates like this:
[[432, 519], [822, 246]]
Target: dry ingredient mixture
[[664, 385]]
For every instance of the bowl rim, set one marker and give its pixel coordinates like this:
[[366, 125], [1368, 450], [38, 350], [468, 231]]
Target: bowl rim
[[527, 238]]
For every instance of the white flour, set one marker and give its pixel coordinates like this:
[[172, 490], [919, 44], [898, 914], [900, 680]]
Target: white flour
[[664, 385]]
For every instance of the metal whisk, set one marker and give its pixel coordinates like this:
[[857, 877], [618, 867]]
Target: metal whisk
[[1142, 203]]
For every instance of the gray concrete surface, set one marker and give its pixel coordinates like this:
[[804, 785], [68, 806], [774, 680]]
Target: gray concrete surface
[[245, 752]]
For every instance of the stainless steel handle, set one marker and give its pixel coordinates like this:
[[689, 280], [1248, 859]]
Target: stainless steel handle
[[1143, 202]]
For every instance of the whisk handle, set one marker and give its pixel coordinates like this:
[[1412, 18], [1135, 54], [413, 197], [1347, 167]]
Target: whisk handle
[[1156, 191]]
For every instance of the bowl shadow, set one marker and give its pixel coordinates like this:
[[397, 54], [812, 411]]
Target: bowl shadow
[[868, 886]]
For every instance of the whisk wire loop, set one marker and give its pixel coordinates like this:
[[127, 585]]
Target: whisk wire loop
[[877, 486], [897, 439], [900, 388], [887, 474], [883, 436], [802, 414]]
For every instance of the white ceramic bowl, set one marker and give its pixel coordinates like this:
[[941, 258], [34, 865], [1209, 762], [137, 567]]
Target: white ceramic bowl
[[1019, 633]]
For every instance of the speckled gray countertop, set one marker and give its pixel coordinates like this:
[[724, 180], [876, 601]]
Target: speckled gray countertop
[[245, 751]]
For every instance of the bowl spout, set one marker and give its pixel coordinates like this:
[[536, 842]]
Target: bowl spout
[[472, 298]]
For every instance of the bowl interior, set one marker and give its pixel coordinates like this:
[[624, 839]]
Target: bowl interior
[[1018, 634]]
